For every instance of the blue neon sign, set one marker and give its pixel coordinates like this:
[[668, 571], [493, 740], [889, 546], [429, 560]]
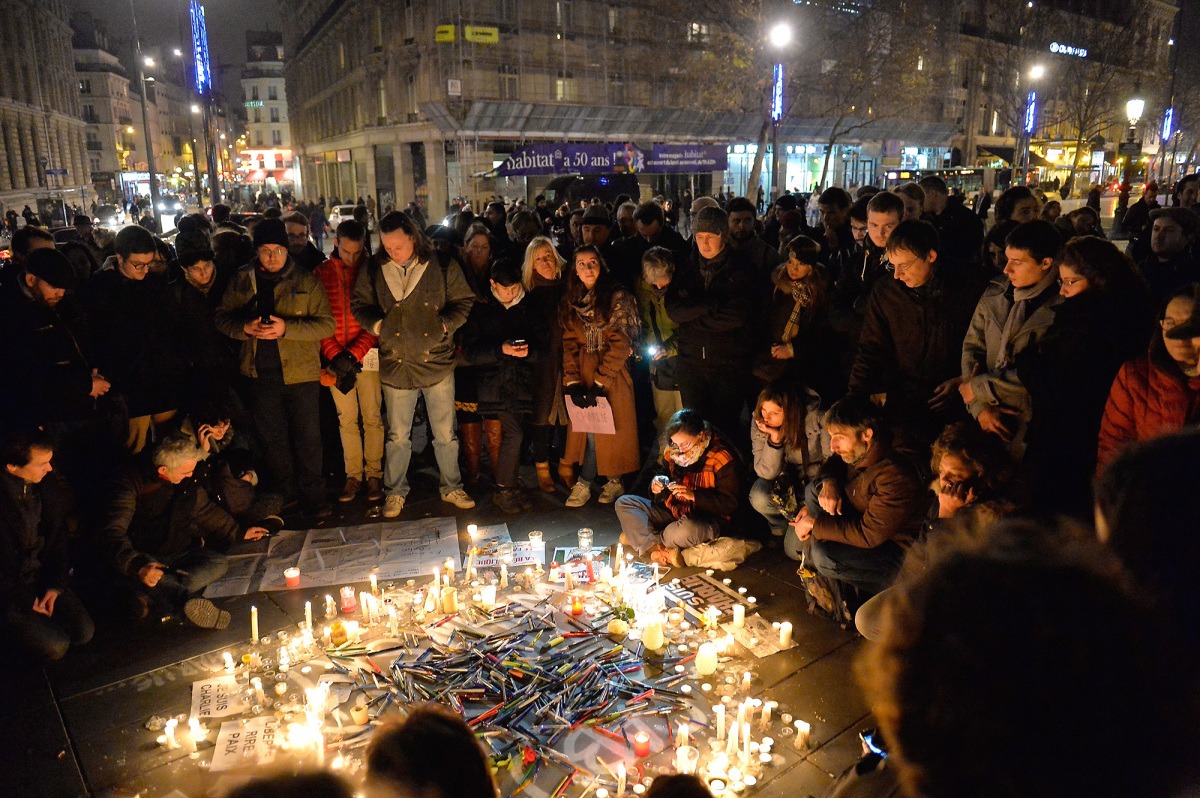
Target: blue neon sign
[[200, 47], [1168, 123], [777, 94], [1031, 113]]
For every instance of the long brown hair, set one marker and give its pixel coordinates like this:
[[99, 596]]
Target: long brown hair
[[603, 291], [794, 406]]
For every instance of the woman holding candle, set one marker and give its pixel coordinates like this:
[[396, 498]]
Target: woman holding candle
[[542, 276], [432, 752], [691, 500], [600, 322]]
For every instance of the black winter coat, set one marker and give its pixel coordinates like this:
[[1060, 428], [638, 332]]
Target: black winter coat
[[505, 383], [33, 538], [712, 303]]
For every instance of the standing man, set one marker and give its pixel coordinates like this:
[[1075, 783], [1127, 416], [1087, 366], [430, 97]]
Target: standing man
[[280, 313], [415, 303], [302, 251], [357, 388], [744, 239], [316, 225], [959, 230], [38, 611]]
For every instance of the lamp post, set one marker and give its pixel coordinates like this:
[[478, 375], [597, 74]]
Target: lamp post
[[780, 36], [1036, 73], [143, 62], [1131, 150]]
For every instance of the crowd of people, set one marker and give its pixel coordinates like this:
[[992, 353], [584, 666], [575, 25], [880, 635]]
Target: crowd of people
[[858, 390]]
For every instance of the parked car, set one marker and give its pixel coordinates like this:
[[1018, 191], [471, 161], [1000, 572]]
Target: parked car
[[109, 216], [340, 213]]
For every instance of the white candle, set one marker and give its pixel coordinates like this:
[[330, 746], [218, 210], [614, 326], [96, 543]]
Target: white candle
[[374, 583], [803, 733], [308, 615], [254, 625], [193, 735], [392, 626], [706, 659], [765, 722], [366, 607], [710, 617], [470, 563], [256, 683], [652, 637], [488, 596], [228, 662], [719, 709], [449, 570], [503, 575], [745, 744], [450, 600], [785, 634], [620, 780], [743, 708], [620, 561], [285, 661], [746, 681], [739, 616], [681, 735], [732, 743], [170, 730]]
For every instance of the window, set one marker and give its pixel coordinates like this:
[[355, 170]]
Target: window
[[409, 21], [410, 95], [510, 87], [276, 137], [258, 139], [616, 89], [254, 92], [274, 114], [272, 92], [564, 14], [89, 113], [85, 86], [257, 115], [614, 19], [564, 88], [93, 163], [697, 32], [377, 29], [382, 100], [342, 55]]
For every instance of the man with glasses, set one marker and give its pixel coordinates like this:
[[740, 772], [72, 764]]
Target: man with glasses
[[304, 253], [136, 334], [280, 313]]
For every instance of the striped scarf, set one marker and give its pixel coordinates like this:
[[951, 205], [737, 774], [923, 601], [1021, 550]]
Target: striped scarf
[[705, 477]]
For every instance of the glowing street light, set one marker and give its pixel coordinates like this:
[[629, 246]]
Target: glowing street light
[[195, 108], [1134, 110], [1037, 72], [780, 35], [149, 61]]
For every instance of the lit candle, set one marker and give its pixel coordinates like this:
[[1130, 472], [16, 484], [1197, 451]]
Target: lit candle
[[364, 602], [228, 662], [746, 681], [731, 746], [472, 530], [577, 604], [681, 735], [450, 600], [285, 661], [739, 616], [785, 634], [716, 787], [330, 608], [392, 620], [449, 570], [259, 696], [308, 615], [487, 596], [743, 708], [254, 625], [503, 575], [470, 563], [745, 744], [621, 778], [349, 605], [710, 617], [765, 722], [803, 733], [706, 659], [193, 734], [617, 565], [374, 584], [652, 637], [170, 733], [686, 758], [641, 744], [719, 709]]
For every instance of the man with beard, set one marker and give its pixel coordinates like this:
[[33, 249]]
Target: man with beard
[[744, 240]]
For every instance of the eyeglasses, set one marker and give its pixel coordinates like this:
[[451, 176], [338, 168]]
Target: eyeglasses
[[682, 448], [1070, 281], [140, 267]]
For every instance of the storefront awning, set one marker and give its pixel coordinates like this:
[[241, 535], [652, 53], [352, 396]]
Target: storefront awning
[[1040, 162], [553, 122], [1003, 153]]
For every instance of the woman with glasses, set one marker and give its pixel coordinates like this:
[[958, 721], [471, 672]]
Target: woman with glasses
[[692, 497], [1159, 391], [1103, 321]]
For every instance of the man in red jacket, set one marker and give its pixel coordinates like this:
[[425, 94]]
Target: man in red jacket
[[353, 367]]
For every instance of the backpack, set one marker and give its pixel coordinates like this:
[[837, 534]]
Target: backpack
[[827, 597]]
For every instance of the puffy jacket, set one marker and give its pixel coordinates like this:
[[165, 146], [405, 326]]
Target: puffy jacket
[[300, 301], [505, 382], [1145, 400], [416, 334], [338, 280], [770, 461]]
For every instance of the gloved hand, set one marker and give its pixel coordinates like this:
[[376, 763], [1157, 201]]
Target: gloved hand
[[588, 398], [580, 394], [345, 368]]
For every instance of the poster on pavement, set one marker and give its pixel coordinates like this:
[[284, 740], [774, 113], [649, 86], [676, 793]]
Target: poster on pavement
[[245, 744], [218, 697]]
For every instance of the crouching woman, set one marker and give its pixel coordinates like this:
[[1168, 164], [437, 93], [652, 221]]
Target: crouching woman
[[692, 497]]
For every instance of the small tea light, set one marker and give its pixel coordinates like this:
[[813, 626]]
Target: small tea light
[[602, 793], [716, 786], [749, 780], [709, 572], [641, 744], [766, 758], [727, 581], [706, 688], [639, 789], [685, 689], [751, 600], [742, 590], [803, 733], [680, 669], [281, 688]]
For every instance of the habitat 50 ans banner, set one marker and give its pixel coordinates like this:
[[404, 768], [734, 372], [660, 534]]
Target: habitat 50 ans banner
[[614, 158]]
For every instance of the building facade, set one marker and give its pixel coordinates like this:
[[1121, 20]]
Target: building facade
[[42, 135], [265, 158]]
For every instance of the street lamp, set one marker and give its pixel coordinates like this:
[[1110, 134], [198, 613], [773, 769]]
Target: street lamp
[[1036, 72], [1133, 112], [780, 36], [1131, 150]]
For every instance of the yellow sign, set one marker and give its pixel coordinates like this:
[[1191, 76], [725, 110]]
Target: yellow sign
[[481, 34], [443, 33]]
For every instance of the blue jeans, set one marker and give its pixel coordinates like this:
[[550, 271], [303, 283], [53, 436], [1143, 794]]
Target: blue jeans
[[760, 500], [439, 405], [200, 567]]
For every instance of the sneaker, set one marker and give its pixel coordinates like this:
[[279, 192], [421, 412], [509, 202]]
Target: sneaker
[[374, 489], [393, 506], [612, 490], [459, 499], [507, 500], [272, 523], [579, 494], [205, 614], [350, 491]]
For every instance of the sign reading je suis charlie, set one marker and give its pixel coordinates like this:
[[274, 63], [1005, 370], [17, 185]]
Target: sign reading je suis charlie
[[613, 158]]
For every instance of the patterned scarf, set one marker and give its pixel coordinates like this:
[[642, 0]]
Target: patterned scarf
[[802, 296], [623, 316], [715, 458]]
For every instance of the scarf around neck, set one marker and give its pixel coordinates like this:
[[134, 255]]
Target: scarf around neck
[[1018, 313], [508, 305]]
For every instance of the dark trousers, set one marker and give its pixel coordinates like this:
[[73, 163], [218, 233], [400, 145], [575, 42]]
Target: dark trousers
[[869, 570], [190, 573], [42, 638], [288, 421], [718, 395], [546, 440], [511, 434]]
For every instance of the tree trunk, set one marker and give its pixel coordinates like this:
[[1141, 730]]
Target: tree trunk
[[756, 170], [1075, 165], [833, 137]]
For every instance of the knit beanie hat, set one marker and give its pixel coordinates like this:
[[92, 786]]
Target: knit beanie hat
[[270, 231], [711, 220], [192, 246]]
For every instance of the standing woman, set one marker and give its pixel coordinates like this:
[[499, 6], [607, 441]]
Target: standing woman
[[599, 321], [542, 275], [476, 256]]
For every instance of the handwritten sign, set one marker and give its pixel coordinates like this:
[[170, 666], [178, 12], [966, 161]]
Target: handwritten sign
[[218, 697], [245, 745], [598, 419]]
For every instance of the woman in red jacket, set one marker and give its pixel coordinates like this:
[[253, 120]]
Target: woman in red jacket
[[1158, 392]]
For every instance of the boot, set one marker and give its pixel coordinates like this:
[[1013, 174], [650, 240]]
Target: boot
[[471, 435], [566, 474], [491, 429], [545, 481]]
